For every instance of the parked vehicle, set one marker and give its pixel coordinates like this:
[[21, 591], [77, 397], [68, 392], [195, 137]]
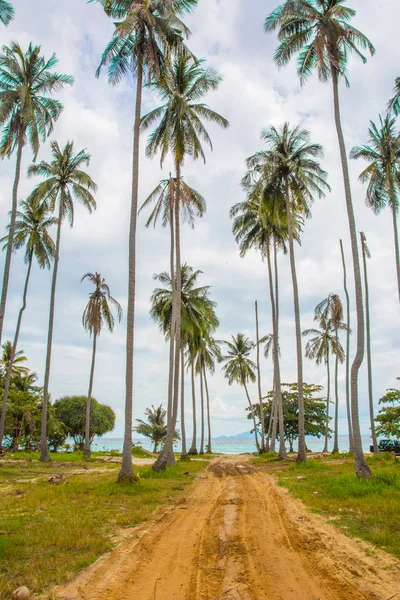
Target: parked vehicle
[[388, 446]]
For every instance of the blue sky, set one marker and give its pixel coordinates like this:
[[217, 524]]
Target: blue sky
[[253, 95]]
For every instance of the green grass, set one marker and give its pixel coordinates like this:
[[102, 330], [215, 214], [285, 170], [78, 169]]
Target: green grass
[[54, 531], [366, 508]]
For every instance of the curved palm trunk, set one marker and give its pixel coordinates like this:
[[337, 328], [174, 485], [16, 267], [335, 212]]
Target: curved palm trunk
[[202, 411], [302, 451], [126, 472], [253, 416], [86, 449], [183, 430], [44, 452], [209, 448], [14, 205], [12, 357], [361, 467], [350, 429], [369, 358], [336, 435], [328, 395], [275, 351], [193, 447], [262, 445], [166, 456], [396, 243]]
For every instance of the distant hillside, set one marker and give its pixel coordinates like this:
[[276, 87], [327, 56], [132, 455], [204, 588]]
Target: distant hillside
[[239, 436]]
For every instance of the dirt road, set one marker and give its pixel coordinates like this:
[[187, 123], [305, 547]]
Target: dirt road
[[238, 536]]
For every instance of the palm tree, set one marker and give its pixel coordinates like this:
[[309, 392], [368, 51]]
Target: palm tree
[[262, 446], [208, 353], [349, 425], [291, 171], [180, 131], [27, 115], [19, 359], [239, 368], [394, 103], [64, 181], [31, 230], [366, 254], [140, 47], [383, 173], [6, 12], [156, 428], [321, 34], [97, 312]]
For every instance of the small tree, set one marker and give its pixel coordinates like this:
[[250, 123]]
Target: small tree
[[388, 418], [156, 428], [71, 410]]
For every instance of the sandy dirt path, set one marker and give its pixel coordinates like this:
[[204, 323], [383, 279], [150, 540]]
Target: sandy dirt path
[[238, 536]]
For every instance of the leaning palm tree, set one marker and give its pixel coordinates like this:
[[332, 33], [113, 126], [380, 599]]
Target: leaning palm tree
[[291, 171], [319, 31], [31, 230], [97, 312], [239, 368], [180, 131], [383, 174], [63, 182], [145, 34], [27, 115], [367, 254], [6, 12], [394, 103]]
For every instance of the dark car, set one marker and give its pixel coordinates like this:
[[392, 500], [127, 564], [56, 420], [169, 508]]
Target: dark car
[[388, 446]]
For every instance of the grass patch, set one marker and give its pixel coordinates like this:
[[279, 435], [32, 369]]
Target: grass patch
[[366, 508], [50, 532]]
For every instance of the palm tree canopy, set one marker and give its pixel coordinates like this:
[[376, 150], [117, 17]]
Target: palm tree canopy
[[239, 368], [383, 172], [192, 202], [207, 353], [146, 32], [394, 103], [27, 82], [323, 343], [6, 12], [319, 31], [198, 310], [180, 129], [18, 361], [330, 311], [31, 230], [98, 309], [64, 180]]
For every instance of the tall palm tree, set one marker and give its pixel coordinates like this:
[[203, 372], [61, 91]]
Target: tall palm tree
[[6, 12], [383, 173], [145, 34], [367, 254], [394, 103], [348, 408], [97, 312], [27, 115], [31, 230], [262, 445], [239, 368], [180, 131], [292, 171], [208, 354], [319, 31], [63, 182]]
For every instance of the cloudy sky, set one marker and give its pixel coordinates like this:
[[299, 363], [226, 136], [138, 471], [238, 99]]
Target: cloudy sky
[[253, 95]]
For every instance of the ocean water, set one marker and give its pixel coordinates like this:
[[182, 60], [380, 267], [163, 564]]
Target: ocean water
[[229, 445]]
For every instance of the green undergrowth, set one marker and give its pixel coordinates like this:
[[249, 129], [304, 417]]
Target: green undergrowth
[[366, 508], [50, 531]]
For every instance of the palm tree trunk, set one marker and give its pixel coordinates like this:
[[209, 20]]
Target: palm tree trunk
[[361, 467], [44, 452], [328, 395], [336, 436], [277, 408], [282, 449], [348, 333], [209, 449], [13, 352], [172, 332], [10, 241], [86, 449], [302, 451], [274, 418], [202, 411], [193, 447], [253, 416], [396, 242], [183, 430], [126, 472], [262, 445], [369, 358]]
